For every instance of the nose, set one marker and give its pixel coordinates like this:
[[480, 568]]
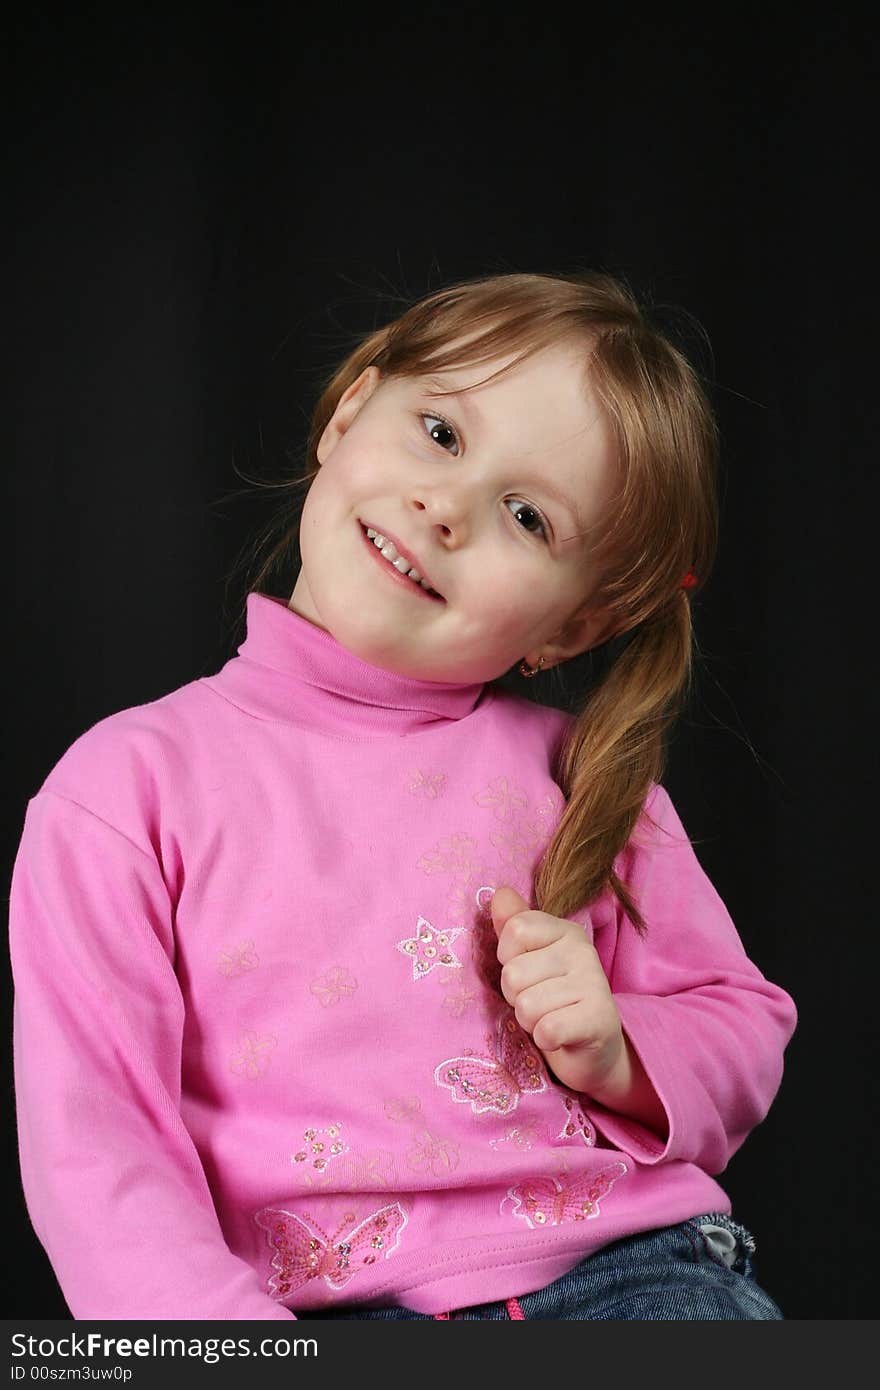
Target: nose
[[446, 509]]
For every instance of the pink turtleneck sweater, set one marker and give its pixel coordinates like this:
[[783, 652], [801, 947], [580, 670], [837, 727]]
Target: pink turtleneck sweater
[[262, 1064]]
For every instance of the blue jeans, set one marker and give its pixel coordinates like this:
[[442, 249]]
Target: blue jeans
[[701, 1268]]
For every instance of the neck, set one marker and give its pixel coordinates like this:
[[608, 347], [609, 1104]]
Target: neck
[[290, 669]]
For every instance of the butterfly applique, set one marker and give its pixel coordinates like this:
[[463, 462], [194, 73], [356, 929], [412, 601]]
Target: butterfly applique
[[521, 1136], [303, 1251], [550, 1201], [495, 1082], [576, 1122]]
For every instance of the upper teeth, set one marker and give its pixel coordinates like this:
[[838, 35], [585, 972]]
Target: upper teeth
[[390, 553]]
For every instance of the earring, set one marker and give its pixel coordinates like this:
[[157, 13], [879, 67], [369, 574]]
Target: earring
[[525, 670]]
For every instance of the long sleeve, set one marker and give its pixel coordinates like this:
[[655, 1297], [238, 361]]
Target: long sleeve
[[709, 1029], [113, 1183]]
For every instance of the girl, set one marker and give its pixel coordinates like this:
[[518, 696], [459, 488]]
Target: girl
[[349, 983]]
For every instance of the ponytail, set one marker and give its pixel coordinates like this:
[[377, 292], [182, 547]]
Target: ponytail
[[613, 753]]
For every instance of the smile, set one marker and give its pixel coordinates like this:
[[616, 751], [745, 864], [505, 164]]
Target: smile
[[397, 567]]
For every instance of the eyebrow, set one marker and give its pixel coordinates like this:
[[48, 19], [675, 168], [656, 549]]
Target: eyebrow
[[472, 411]]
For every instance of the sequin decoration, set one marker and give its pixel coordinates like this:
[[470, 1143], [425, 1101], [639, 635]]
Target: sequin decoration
[[576, 1125], [495, 1082], [302, 1251], [430, 948], [319, 1148], [548, 1201], [517, 833], [238, 959]]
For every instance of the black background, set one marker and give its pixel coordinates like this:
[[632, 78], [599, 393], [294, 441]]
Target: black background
[[208, 211]]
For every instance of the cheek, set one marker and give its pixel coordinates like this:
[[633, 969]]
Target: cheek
[[336, 490], [493, 602], [513, 609], [354, 464], [316, 516], [363, 466], [510, 625]]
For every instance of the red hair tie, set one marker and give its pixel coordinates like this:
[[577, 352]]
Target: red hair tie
[[689, 581]]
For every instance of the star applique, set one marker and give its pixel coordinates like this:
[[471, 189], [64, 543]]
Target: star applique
[[429, 948]]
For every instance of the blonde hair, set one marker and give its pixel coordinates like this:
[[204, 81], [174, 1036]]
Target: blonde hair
[[664, 524]]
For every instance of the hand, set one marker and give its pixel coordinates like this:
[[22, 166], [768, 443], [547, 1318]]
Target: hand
[[552, 977]]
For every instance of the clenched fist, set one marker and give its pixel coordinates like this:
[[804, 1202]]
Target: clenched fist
[[552, 976]]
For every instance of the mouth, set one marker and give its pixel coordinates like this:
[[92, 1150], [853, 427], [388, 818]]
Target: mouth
[[393, 572]]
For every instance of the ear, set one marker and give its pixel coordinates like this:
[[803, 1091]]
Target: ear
[[353, 398], [588, 626]]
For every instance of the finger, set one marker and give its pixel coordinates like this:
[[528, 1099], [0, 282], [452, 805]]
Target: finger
[[543, 1000], [529, 931], [546, 963], [564, 1027], [504, 903]]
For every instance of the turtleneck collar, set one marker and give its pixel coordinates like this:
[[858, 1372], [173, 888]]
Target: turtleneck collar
[[291, 670]]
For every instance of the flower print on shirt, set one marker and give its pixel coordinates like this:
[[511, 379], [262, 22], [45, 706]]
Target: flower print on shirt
[[521, 840], [432, 1154], [555, 1201], [404, 1109], [516, 845], [320, 1147], [495, 1081], [333, 985], [522, 829], [459, 998], [549, 812], [359, 1172], [427, 784], [429, 1152], [238, 959], [505, 801], [453, 853], [303, 1251], [515, 837], [252, 1054]]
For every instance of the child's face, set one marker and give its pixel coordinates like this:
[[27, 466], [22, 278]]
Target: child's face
[[467, 503]]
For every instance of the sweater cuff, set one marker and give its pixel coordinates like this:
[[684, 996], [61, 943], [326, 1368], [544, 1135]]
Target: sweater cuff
[[629, 1135]]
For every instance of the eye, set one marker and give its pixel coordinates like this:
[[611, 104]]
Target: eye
[[440, 424], [528, 508], [443, 425]]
